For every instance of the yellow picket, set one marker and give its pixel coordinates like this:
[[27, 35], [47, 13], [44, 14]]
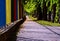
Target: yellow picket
[[18, 9], [8, 11]]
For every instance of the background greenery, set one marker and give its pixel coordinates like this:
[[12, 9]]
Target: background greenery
[[46, 10]]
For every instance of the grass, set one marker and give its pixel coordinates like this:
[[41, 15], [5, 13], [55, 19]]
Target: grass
[[44, 22], [30, 16]]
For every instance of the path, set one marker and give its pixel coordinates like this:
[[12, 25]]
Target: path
[[33, 31]]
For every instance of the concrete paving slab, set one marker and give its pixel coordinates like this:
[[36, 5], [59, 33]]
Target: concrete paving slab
[[33, 31]]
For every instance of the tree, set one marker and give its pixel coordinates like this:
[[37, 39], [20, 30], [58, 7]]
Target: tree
[[44, 10]]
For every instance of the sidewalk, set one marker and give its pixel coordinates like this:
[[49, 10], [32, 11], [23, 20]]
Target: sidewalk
[[32, 31]]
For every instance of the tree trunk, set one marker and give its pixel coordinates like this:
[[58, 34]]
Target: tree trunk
[[49, 16], [53, 12], [44, 11], [39, 12]]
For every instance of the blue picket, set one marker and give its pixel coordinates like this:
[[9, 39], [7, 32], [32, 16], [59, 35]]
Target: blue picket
[[2, 12]]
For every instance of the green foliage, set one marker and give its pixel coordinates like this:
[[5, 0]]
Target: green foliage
[[50, 8], [57, 11], [31, 5]]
